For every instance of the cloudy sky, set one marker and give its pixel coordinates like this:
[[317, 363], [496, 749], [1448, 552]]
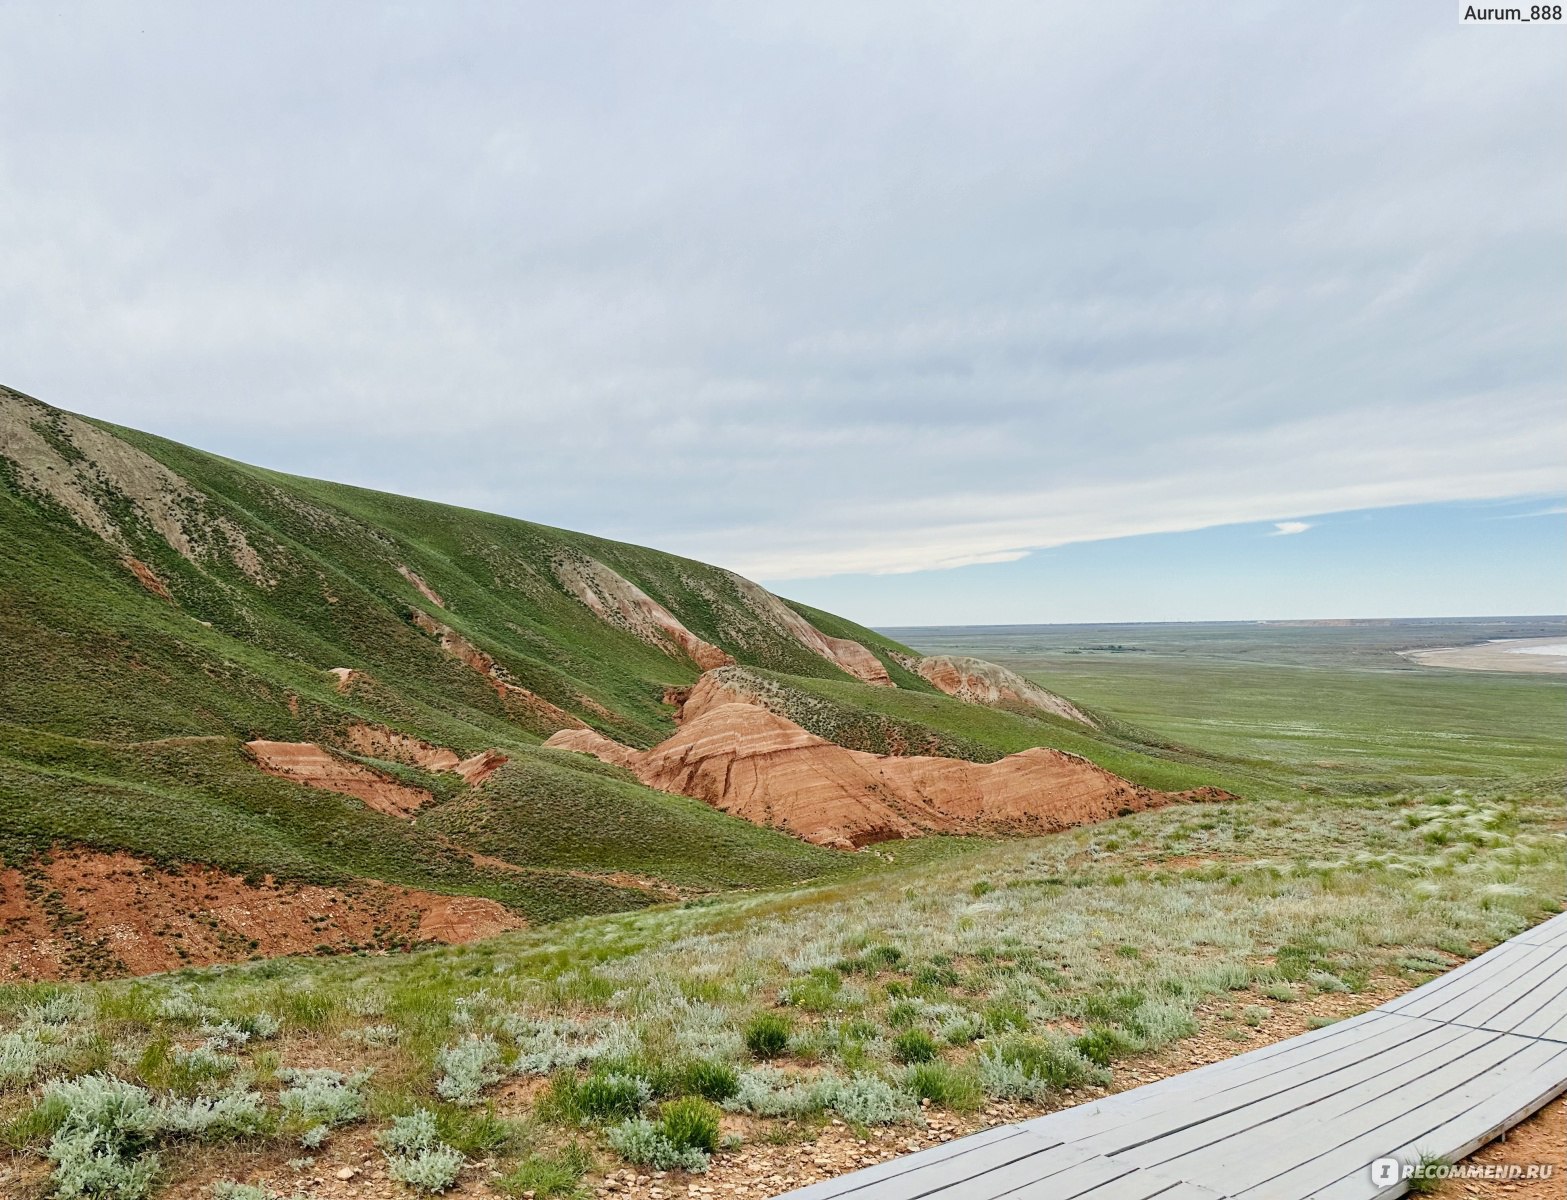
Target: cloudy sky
[[876, 302]]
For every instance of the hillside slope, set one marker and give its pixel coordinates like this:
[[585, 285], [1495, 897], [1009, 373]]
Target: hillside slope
[[298, 684]]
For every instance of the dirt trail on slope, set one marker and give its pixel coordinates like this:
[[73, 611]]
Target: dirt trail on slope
[[752, 763], [88, 914]]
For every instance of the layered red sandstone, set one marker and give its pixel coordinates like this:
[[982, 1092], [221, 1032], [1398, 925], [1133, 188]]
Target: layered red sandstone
[[752, 763]]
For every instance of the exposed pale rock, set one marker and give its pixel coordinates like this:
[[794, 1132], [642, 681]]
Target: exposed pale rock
[[82, 483], [843, 652], [981, 682], [615, 599]]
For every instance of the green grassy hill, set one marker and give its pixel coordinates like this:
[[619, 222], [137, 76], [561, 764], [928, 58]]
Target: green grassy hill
[[160, 607]]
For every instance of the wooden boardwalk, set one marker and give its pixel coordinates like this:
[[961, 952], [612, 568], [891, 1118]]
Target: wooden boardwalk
[[1441, 1070]]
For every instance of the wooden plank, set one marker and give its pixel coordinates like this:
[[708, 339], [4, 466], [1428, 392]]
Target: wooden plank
[[1319, 1104], [1154, 1102], [1456, 980], [1054, 1165], [1082, 1179], [976, 1174], [988, 1141], [1288, 1087], [1143, 1184], [1493, 975], [1402, 1119], [1547, 965], [1244, 1161], [1463, 1135], [1493, 993], [1549, 1019], [1547, 933]]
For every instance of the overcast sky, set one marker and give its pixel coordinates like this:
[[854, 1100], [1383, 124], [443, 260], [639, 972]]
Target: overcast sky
[[810, 291]]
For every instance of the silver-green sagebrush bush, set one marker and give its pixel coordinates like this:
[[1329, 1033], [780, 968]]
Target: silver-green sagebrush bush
[[416, 1155]]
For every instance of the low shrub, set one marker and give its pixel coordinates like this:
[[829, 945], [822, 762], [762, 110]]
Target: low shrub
[[640, 1141], [944, 1085], [914, 1046], [416, 1155], [1103, 1044], [320, 1098], [467, 1069], [767, 1034], [690, 1123]]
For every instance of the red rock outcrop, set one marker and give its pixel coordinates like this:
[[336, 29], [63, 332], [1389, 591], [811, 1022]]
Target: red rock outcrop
[[750, 762], [377, 741], [513, 695], [115, 914], [615, 599], [308, 764], [423, 588], [981, 682]]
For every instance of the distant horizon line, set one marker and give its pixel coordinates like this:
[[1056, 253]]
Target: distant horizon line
[[1338, 622]]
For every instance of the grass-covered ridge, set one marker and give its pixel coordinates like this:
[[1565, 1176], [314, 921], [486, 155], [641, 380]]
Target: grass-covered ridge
[[163, 606], [128, 694]]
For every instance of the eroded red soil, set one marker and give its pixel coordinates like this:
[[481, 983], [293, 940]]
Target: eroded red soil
[[89, 914]]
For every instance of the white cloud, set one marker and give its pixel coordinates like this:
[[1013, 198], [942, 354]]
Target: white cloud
[[806, 289], [1285, 528]]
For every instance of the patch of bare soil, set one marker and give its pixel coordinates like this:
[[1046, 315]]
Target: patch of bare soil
[[308, 764], [423, 588], [87, 914], [753, 763], [377, 741], [148, 578]]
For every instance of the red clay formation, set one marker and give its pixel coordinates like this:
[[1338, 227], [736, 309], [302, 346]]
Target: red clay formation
[[308, 764], [87, 914], [147, 577], [752, 763], [981, 682], [377, 741], [618, 601]]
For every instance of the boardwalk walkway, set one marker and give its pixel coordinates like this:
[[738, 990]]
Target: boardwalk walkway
[[1441, 1070]]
